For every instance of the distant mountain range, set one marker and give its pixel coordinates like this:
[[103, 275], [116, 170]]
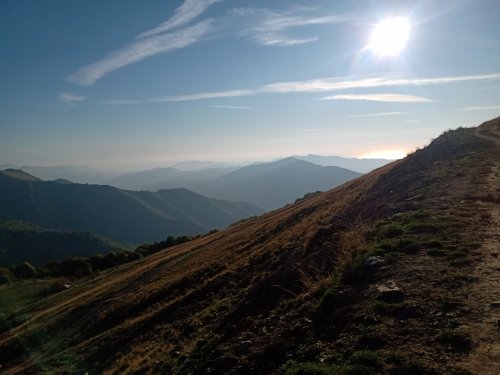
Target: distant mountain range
[[187, 169], [354, 164], [75, 173], [165, 178], [272, 185], [111, 212], [267, 185]]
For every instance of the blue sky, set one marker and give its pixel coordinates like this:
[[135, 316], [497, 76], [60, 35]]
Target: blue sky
[[135, 84]]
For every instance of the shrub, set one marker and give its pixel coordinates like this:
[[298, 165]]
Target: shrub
[[391, 231], [6, 276], [308, 368], [69, 267], [436, 252], [455, 340], [367, 358], [24, 271]]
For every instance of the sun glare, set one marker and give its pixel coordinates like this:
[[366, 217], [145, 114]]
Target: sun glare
[[389, 37], [385, 154]]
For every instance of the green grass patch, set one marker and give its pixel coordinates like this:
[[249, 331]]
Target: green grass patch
[[368, 338], [433, 244], [391, 231], [309, 368], [436, 252], [16, 296], [367, 358], [316, 368], [461, 262], [455, 340], [457, 255]]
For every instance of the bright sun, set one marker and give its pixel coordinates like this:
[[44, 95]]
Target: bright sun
[[389, 36]]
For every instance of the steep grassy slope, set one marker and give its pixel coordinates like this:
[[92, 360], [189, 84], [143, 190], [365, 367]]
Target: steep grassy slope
[[125, 216], [374, 276], [23, 242]]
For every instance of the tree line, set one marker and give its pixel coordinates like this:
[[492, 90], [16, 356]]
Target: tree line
[[75, 267]]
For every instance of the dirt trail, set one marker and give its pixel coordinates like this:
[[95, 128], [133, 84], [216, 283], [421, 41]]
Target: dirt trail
[[485, 294]]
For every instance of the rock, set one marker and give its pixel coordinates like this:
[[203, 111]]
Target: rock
[[224, 363], [390, 293], [335, 298], [373, 262], [243, 346], [495, 304]]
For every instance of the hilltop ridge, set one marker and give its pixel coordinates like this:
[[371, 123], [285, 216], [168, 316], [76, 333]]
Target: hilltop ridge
[[125, 216], [386, 274]]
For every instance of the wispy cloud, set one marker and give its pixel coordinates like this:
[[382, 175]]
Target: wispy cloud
[[271, 28], [476, 89], [396, 98], [140, 50], [209, 95], [326, 85], [183, 98], [479, 108], [377, 114], [232, 107], [188, 11], [332, 84], [151, 42], [67, 97]]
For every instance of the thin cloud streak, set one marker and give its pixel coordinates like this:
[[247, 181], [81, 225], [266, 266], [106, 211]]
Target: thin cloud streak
[[140, 50], [209, 95], [232, 107], [188, 11], [311, 86], [393, 98], [331, 84], [274, 40], [183, 98], [265, 27], [377, 114], [270, 28], [479, 108], [67, 97], [151, 42]]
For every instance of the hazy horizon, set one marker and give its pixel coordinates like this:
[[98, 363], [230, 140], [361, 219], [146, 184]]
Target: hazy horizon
[[132, 86], [175, 164]]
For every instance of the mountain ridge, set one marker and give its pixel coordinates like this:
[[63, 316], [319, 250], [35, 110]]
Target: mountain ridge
[[112, 212], [272, 185], [363, 165], [354, 280]]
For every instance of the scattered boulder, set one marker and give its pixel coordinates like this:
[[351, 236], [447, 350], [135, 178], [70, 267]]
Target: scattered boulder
[[243, 346], [390, 293], [373, 262]]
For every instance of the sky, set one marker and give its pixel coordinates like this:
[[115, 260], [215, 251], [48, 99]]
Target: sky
[[126, 84]]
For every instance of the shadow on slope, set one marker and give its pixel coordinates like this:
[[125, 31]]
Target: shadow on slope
[[356, 279]]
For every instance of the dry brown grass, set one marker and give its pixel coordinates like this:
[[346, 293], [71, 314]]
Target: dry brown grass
[[260, 280]]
